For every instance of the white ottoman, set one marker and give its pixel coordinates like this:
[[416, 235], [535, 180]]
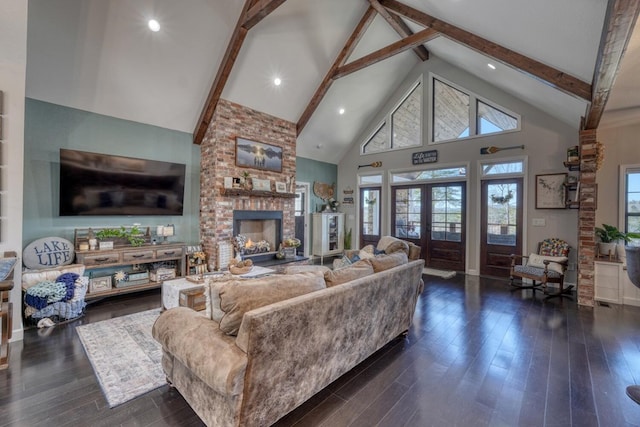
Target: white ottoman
[[171, 291]]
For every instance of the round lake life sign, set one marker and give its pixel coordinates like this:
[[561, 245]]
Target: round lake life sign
[[48, 252]]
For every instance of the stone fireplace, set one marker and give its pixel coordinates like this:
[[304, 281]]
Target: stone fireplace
[[219, 208]]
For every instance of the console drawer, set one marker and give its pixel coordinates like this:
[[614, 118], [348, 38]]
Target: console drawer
[[137, 257], [99, 259], [165, 253]]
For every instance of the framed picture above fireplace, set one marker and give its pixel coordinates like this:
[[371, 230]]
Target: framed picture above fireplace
[[258, 155]]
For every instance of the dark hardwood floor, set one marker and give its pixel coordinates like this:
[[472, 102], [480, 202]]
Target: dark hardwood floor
[[478, 354]]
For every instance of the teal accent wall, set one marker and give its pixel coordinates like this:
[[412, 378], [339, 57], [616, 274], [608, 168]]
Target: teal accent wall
[[308, 170], [49, 127]]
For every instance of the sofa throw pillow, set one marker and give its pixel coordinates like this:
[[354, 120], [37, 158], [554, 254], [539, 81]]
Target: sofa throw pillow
[[536, 260], [385, 262], [239, 296], [366, 252], [390, 244], [357, 270], [414, 251], [341, 262]]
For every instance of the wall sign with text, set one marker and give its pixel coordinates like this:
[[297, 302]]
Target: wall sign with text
[[422, 157]]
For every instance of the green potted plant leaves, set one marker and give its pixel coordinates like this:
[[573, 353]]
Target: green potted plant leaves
[[609, 236]]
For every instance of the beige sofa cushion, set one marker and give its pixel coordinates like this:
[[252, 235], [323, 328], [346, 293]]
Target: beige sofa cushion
[[390, 244], [294, 269], [385, 262], [239, 296], [356, 270]]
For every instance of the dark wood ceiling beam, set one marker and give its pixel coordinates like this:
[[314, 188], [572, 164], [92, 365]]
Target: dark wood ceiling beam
[[400, 27], [229, 59], [542, 72], [342, 57], [386, 52], [259, 11], [620, 20]]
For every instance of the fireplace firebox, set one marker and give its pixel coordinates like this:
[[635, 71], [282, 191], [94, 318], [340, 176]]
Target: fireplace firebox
[[259, 226]]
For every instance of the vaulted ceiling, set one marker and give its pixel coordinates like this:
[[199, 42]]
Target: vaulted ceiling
[[99, 56]]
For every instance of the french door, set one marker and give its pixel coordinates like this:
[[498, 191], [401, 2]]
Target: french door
[[433, 216], [370, 211], [500, 225]]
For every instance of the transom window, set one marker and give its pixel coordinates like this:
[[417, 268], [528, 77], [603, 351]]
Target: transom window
[[429, 174], [459, 114], [515, 167], [405, 122]]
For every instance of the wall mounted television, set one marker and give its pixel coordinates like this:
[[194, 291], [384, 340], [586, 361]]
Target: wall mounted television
[[104, 184]]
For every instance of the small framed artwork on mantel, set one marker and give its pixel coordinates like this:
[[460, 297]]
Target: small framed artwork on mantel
[[281, 187]]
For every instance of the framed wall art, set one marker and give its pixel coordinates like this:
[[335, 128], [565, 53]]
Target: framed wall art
[[258, 155], [550, 191]]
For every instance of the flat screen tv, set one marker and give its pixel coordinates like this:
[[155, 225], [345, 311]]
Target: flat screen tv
[[102, 184]]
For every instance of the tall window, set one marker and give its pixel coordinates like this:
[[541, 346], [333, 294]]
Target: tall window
[[405, 121], [631, 199], [459, 114]]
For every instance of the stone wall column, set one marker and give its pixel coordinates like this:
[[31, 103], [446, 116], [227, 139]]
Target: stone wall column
[[217, 161], [587, 217]]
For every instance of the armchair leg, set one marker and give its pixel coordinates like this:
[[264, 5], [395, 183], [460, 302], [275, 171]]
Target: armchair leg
[[521, 285], [563, 292]]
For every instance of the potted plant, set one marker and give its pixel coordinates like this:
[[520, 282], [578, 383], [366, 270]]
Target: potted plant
[[609, 236]]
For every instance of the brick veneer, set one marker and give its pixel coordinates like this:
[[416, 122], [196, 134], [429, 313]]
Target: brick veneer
[[587, 217], [218, 160]]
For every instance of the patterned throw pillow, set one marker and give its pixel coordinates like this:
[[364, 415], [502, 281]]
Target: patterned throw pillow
[[536, 260]]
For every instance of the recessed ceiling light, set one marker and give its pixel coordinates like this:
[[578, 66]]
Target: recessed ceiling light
[[493, 67], [154, 25], [341, 111], [277, 81]]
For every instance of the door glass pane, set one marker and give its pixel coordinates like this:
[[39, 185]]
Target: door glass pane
[[370, 212], [501, 214], [408, 213], [446, 213]]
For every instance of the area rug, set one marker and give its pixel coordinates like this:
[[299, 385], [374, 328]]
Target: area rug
[[124, 355], [440, 273]]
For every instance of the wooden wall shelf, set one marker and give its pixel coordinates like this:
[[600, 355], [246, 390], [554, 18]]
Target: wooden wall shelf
[[255, 193]]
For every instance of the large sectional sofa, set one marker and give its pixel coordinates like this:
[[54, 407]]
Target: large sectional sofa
[[278, 340]]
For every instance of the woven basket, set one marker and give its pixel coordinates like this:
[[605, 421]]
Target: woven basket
[[240, 270]]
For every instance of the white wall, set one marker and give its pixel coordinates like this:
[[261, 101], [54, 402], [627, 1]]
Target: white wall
[[13, 60], [545, 138]]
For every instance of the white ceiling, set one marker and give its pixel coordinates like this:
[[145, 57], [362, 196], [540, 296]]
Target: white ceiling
[[99, 56]]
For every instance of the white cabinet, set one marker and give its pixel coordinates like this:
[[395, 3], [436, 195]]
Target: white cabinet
[[607, 282], [328, 229], [612, 284]]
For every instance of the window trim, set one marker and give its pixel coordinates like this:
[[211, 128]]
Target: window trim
[[389, 121], [473, 112]]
